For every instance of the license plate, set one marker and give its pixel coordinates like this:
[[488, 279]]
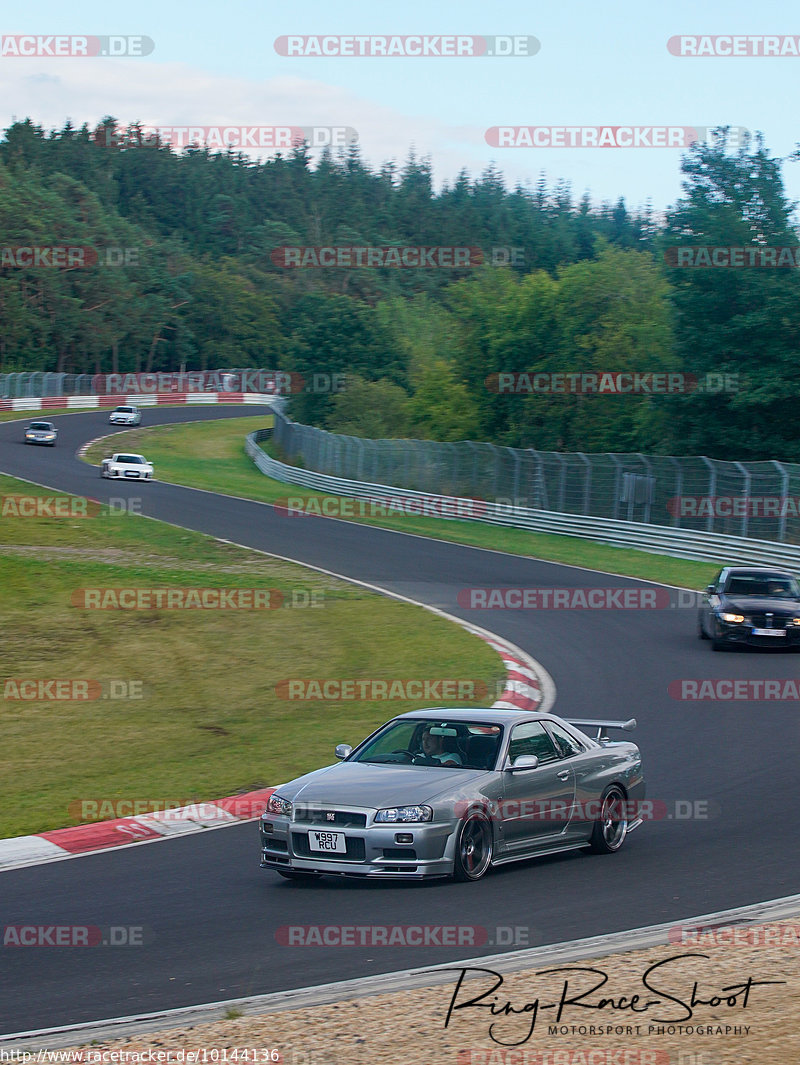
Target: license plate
[[769, 632], [331, 842], [132, 473]]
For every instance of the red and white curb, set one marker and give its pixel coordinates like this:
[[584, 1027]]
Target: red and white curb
[[123, 831], [149, 400], [523, 692]]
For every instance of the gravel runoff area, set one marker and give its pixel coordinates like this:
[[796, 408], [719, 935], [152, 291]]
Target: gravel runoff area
[[732, 1024]]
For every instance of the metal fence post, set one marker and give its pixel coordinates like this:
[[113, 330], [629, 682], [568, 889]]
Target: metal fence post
[[747, 480], [712, 492], [784, 497], [587, 482], [676, 518]]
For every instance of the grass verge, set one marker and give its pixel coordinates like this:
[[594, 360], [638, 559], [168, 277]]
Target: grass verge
[[198, 711], [211, 456]]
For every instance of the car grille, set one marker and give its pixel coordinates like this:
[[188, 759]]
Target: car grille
[[356, 850], [762, 621], [400, 853], [348, 818]]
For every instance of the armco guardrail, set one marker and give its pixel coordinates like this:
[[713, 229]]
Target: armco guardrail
[[758, 500], [662, 539]]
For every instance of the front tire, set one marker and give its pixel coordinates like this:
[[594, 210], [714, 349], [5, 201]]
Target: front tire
[[610, 830], [474, 847]]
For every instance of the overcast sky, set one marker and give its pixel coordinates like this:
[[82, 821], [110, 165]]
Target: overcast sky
[[590, 65]]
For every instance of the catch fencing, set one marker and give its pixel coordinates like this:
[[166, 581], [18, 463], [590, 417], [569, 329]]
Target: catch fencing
[[691, 506]]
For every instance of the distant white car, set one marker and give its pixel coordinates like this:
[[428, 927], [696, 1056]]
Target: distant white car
[[125, 416], [127, 467]]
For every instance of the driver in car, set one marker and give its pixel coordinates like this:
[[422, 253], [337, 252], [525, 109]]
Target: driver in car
[[433, 750]]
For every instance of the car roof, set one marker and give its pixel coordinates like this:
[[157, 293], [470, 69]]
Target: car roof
[[496, 715], [761, 571]]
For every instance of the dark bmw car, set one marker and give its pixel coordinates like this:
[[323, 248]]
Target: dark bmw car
[[752, 607]]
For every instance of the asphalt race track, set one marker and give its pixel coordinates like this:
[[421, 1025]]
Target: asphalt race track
[[211, 916]]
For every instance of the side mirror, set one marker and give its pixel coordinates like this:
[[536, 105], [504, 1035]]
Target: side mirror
[[524, 761], [343, 750], [710, 589]]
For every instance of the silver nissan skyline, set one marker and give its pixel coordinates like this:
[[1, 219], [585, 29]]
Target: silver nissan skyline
[[444, 792]]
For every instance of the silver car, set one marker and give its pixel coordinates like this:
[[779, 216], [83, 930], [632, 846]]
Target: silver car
[[125, 416], [445, 792], [41, 433]]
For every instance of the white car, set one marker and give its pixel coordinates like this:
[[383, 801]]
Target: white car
[[127, 467], [125, 416]]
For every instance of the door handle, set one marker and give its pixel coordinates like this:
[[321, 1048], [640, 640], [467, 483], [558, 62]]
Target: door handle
[[564, 774]]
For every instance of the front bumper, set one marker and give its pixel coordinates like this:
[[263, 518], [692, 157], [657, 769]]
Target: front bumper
[[129, 475], [742, 634], [373, 851]]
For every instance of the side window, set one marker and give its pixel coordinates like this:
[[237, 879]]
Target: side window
[[531, 738], [566, 743]]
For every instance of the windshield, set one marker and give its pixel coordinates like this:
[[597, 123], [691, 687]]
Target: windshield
[[769, 585], [133, 460], [45, 427], [448, 743]]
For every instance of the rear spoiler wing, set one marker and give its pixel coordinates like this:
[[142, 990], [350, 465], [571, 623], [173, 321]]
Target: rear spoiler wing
[[626, 726]]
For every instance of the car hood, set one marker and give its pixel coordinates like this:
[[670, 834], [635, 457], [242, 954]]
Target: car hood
[[378, 786], [753, 604]]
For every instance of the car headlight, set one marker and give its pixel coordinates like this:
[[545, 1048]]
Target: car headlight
[[794, 621], [733, 619], [403, 814], [278, 805]]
